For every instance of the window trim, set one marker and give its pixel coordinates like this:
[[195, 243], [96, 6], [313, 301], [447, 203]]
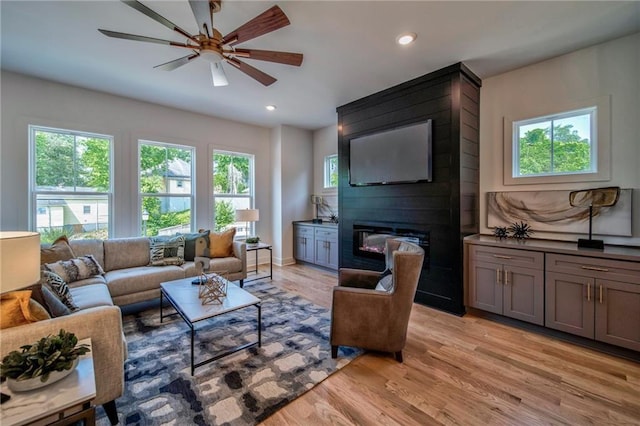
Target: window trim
[[191, 195], [602, 154], [34, 192]]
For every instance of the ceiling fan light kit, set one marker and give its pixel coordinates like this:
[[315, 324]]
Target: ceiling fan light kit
[[213, 46]]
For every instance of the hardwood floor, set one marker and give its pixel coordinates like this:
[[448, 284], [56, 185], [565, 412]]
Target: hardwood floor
[[464, 370]]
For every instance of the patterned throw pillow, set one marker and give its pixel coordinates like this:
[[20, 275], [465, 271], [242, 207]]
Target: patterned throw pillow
[[59, 287], [386, 282], [166, 250], [76, 269]]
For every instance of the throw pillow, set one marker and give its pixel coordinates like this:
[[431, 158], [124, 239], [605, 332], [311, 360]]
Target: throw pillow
[[60, 288], [190, 243], [76, 269], [17, 308], [59, 250], [385, 283], [166, 250], [221, 244], [41, 294]]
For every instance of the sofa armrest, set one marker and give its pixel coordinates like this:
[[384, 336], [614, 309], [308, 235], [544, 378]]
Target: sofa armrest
[[102, 324], [240, 251]]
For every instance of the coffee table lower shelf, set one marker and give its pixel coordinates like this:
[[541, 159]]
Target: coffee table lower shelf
[[238, 298]]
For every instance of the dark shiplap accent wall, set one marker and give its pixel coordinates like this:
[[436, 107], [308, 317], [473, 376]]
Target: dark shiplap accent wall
[[447, 207]]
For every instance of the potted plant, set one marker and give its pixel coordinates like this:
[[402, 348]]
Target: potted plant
[[44, 362]]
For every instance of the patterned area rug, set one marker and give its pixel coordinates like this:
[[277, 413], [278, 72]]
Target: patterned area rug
[[240, 389]]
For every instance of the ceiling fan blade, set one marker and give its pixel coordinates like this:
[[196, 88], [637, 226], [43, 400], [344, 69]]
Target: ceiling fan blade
[[172, 65], [157, 17], [255, 73], [135, 37], [270, 20], [202, 11], [286, 58], [218, 75]]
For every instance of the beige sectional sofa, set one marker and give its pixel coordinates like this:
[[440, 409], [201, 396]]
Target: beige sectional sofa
[[127, 279]]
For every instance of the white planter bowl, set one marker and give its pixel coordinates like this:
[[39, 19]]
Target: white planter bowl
[[36, 383]]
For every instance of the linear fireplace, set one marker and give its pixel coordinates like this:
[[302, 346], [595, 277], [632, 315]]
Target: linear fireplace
[[369, 240]]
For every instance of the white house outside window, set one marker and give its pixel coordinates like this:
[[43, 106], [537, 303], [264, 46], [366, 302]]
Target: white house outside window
[[166, 188], [70, 183], [233, 188]]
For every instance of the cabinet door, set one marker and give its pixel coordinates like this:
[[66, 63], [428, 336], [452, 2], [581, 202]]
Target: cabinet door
[[618, 313], [485, 286], [570, 303], [303, 247], [523, 294], [321, 252], [333, 255]]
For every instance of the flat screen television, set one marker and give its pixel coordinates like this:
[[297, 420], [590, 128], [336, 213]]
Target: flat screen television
[[399, 155]]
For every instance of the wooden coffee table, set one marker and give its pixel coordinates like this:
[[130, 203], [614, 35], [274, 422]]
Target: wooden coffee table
[[183, 296]]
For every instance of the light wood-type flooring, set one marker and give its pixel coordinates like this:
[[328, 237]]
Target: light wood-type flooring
[[464, 370]]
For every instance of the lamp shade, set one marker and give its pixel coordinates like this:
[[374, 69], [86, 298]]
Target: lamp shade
[[19, 259], [247, 215]]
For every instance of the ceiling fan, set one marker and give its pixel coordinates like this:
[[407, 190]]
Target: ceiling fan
[[211, 45]]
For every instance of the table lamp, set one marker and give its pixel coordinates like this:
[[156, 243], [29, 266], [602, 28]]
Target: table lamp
[[248, 215], [19, 262]]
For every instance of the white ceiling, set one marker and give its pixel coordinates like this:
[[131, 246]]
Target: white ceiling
[[349, 48]]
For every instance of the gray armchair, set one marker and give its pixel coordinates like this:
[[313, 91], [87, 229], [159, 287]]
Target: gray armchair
[[364, 317]]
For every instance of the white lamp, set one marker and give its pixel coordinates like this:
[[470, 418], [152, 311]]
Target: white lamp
[[19, 259], [247, 215]]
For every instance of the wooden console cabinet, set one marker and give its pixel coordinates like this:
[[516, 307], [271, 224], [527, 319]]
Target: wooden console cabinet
[[589, 293], [316, 244]]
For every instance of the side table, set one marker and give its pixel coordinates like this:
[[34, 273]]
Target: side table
[[64, 402], [256, 248]]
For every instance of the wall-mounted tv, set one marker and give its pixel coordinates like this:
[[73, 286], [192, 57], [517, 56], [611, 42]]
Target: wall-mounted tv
[[399, 155]]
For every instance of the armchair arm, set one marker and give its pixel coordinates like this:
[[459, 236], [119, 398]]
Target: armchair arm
[[358, 278], [102, 324], [240, 251]]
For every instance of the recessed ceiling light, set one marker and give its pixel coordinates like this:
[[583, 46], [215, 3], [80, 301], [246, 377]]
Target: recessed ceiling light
[[406, 38], [271, 107]]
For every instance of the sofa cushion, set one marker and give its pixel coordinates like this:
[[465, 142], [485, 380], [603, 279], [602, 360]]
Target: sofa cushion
[[85, 247], [225, 264], [131, 280], [121, 253], [96, 279], [59, 250], [76, 269], [17, 308], [166, 250], [191, 244], [90, 296], [221, 244]]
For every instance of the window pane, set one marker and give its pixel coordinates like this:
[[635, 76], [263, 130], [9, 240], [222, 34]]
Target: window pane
[[165, 170], [331, 171], [226, 215], [77, 216], [92, 164], [166, 215], [231, 174], [534, 149], [572, 144], [55, 168]]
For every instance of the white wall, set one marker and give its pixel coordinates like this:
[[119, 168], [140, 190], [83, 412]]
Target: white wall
[[325, 142], [606, 69], [27, 100]]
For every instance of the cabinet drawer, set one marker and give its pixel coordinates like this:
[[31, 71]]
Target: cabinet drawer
[[327, 234], [523, 258], [305, 231], [593, 267]]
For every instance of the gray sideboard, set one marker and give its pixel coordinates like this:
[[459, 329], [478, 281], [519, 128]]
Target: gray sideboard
[[589, 293], [316, 243]]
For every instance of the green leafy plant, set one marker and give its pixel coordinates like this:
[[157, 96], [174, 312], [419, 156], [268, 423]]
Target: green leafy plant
[[51, 353]]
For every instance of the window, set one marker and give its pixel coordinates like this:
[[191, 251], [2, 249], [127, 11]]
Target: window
[[69, 171], [233, 177], [166, 189], [331, 171], [568, 146], [86, 209]]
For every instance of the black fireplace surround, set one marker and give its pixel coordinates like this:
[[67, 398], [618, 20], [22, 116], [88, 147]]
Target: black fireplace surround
[[369, 240]]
